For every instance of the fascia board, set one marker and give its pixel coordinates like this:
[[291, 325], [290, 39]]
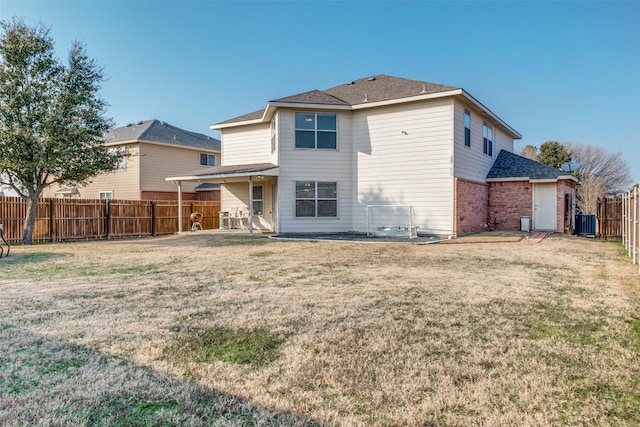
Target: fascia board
[[234, 124], [166, 144], [268, 172], [510, 179], [408, 99], [490, 113]]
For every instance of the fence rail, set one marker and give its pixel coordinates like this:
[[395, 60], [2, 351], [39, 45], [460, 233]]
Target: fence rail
[[631, 223], [82, 219]]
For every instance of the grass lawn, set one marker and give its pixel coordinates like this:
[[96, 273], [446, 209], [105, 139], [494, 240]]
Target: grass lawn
[[221, 330]]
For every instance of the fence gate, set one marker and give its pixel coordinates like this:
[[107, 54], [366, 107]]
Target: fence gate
[[610, 218]]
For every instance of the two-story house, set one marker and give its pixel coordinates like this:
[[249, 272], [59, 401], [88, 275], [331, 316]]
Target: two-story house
[[154, 150], [320, 161]]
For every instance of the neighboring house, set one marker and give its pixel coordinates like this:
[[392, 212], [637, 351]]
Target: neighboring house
[[315, 161], [155, 149]]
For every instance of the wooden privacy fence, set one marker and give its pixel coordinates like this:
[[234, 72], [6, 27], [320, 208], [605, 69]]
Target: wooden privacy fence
[[610, 218], [631, 223], [73, 219]]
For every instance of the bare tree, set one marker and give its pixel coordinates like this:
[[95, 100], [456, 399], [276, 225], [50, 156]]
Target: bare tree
[[530, 152], [601, 172]]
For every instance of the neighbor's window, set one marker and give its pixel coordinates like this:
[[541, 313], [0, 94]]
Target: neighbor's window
[[316, 199], [258, 201], [106, 195], [467, 128], [207, 159], [119, 151], [487, 138], [316, 130]]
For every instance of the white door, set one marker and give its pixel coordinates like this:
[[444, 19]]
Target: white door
[[544, 206]]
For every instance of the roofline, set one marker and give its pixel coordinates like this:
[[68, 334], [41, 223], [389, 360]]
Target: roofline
[[166, 144], [267, 172], [535, 180], [272, 106], [487, 111]]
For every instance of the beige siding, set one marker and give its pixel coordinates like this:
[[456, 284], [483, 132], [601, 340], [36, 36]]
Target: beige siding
[[161, 161], [470, 162], [246, 144], [314, 165], [234, 198], [125, 184], [403, 156]]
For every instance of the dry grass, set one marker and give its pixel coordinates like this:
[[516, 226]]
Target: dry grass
[[163, 332]]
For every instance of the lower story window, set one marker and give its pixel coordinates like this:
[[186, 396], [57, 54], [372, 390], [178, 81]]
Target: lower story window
[[316, 199], [258, 201], [106, 195]]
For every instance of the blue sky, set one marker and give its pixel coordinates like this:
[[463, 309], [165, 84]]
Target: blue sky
[[565, 71]]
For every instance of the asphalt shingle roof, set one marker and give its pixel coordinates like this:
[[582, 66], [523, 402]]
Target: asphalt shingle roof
[[383, 88], [162, 132], [510, 165], [361, 91]]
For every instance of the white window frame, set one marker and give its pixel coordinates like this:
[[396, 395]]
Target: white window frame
[[261, 200], [316, 199], [315, 130], [122, 163], [102, 195], [487, 139], [209, 156], [467, 128]]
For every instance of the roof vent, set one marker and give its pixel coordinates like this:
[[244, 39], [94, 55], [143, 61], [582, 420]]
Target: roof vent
[[424, 88], [162, 122], [370, 79], [140, 123], [366, 98], [129, 125], [351, 83]]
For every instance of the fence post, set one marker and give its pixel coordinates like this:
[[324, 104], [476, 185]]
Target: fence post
[[635, 223], [52, 223], [107, 218], [153, 218]]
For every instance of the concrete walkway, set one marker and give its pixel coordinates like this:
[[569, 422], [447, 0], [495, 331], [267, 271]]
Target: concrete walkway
[[534, 237]]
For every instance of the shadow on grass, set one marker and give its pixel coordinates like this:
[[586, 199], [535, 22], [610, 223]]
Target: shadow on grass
[[21, 258], [48, 381]]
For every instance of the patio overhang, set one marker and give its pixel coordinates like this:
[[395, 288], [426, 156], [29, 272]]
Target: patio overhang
[[225, 174], [232, 173]]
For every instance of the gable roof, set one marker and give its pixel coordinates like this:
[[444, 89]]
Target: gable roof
[[156, 131], [509, 167], [384, 88], [362, 93]]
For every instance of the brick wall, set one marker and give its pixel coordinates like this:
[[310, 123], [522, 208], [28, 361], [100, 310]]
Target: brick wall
[[565, 218], [471, 206], [508, 201]]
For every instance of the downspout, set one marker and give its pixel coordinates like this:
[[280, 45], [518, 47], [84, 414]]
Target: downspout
[[179, 206], [250, 205]]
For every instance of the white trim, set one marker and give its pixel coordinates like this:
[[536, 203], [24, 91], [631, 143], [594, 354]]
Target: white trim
[[534, 180], [272, 106], [267, 172]]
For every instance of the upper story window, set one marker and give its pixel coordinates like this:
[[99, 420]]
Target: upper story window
[[316, 130], [207, 159], [105, 195], [467, 128], [119, 151], [273, 135], [316, 199], [487, 139]]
